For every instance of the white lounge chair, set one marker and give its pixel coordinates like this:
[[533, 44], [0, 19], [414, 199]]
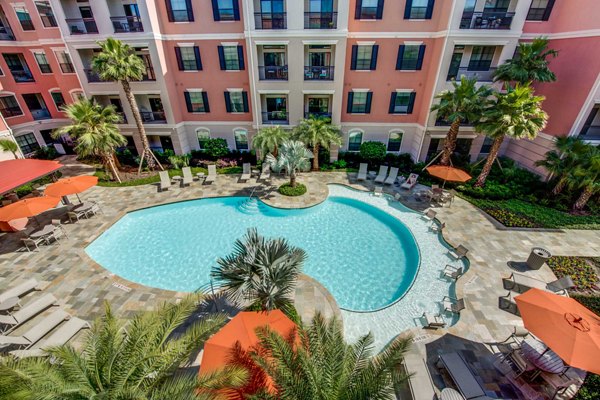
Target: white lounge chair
[[37, 332], [410, 182], [265, 173], [246, 174], [377, 190], [435, 228], [33, 243], [452, 272], [188, 178], [362, 172], [459, 252], [20, 290], [212, 174], [10, 322], [60, 337], [392, 176], [429, 215], [165, 181], [383, 170], [433, 321]]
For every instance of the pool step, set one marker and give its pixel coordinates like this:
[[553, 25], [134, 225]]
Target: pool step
[[251, 206]]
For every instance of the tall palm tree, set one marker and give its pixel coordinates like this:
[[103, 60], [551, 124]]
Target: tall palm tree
[[122, 361], [530, 65], [293, 156], [563, 160], [118, 62], [316, 363], [10, 145], [316, 132], [268, 139], [586, 177], [260, 271], [464, 103], [95, 131], [517, 114]]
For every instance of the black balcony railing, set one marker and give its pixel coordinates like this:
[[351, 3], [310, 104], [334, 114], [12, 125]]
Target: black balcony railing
[[273, 73], [486, 20], [22, 76], [82, 26], [123, 117], [320, 20], [482, 74], [11, 112], [126, 24], [271, 20], [441, 122], [149, 74], [318, 114], [42, 113], [153, 117], [316, 73], [275, 117], [67, 68], [92, 76]]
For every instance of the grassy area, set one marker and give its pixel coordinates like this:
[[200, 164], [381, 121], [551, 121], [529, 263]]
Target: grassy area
[[105, 181]]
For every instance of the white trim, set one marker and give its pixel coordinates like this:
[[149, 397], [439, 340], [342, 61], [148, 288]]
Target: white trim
[[412, 43], [564, 35], [235, 89], [309, 91], [366, 43], [230, 44], [585, 108], [186, 44], [193, 90], [383, 125], [361, 90], [317, 42], [273, 91], [405, 90], [272, 42], [475, 42]]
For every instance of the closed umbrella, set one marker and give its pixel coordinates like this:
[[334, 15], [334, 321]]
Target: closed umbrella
[[27, 207], [74, 185], [448, 173]]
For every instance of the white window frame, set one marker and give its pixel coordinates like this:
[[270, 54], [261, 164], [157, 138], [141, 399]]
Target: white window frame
[[362, 135], [202, 129], [247, 138], [398, 131]]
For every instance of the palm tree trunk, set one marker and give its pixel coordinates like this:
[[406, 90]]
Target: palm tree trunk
[[562, 182], [116, 160], [490, 161], [275, 150], [109, 162], [15, 155], [315, 161], [585, 196], [293, 178], [450, 143], [150, 160]]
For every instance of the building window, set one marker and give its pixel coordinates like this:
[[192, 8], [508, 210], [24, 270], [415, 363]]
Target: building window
[[241, 139], [402, 102], [394, 141], [540, 10], [418, 9], [64, 60], [18, 67], [46, 14], [188, 58], [354, 140], [58, 99], [369, 9], [24, 18], [410, 57], [180, 10], [359, 102], [37, 106], [591, 127], [28, 143], [77, 95], [364, 57], [226, 10], [481, 58], [196, 101], [9, 107], [43, 63], [231, 58], [487, 145], [236, 102], [203, 135]]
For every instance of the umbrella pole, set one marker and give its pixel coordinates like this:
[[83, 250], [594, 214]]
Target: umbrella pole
[[78, 198]]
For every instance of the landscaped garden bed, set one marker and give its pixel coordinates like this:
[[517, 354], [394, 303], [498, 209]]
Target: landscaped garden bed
[[583, 271]]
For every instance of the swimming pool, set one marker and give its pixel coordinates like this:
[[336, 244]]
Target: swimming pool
[[365, 257]]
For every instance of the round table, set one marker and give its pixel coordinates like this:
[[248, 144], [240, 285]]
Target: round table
[[9, 304], [450, 394], [542, 357]]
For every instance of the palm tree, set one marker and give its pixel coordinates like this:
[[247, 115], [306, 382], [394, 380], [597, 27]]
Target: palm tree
[[118, 62], [260, 271], [586, 176], [293, 156], [316, 363], [268, 140], [10, 145], [530, 65], [123, 361], [564, 159], [465, 103], [517, 114], [317, 132], [94, 129]]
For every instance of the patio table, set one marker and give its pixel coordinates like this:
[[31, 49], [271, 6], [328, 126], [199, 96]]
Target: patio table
[[542, 357]]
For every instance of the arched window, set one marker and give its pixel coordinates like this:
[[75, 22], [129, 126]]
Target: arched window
[[241, 139], [395, 141], [77, 95], [203, 135], [354, 140]]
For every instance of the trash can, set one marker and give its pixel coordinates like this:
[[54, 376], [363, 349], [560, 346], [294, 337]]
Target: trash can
[[538, 257]]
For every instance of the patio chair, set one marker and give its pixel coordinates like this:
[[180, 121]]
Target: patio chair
[[377, 190], [392, 176], [435, 228], [453, 305], [29, 243], [188, 178], [521, 283], [410, 182], [429, 215], [463, 377], [60, 337], [561, 285], [32, 309], [433, 321], [383, 170], [452, 272], [362, 172], [265, 172], [519, 363], [20, 290], [38, 331], [212, 174], [459, 252], [246, 173], [165, 181]]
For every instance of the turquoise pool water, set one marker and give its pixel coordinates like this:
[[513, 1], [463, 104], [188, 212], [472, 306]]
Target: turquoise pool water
[[365, 257]]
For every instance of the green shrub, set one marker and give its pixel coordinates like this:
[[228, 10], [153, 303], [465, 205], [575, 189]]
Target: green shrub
[[126, 157], [590, 389], [591, 302], [373, 152], [287, 190], [583, 274], [216, 147], [179, 162], [46, 153], [339, 164], [510, 219]]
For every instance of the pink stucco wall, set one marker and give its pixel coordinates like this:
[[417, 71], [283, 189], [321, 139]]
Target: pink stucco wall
[[203, 20], [40, 31], [568, 16]]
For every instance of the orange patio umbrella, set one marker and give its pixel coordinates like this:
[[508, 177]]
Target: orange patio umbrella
[[27, 207], [568, 328], [74, 185], [448, 173]]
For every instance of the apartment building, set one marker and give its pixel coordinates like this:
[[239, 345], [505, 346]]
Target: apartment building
[[226, 68]]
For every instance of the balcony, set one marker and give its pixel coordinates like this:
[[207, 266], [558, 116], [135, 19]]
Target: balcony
[[265, 20], [316, 73], [153, 117], [275, 118], [320, 20], [127, 24], [41, 113], [317, 114], [483, 75], [486, 20], [442, 122], [11, 112], [149, 74], [82, 26], [92, 76], [273, 73], [22, 76]]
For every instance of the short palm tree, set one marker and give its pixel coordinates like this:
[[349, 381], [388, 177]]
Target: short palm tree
[[464, 103], [563, 160], [316, 363], [293, 157], [261, 272], [317, 132], [586, 177], [10, 145], [122, 361], [268, 139], [94, 129], [530, 65], [517, 114], [118, 62]]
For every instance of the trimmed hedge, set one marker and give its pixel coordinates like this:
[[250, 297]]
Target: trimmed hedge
[[287, 190]]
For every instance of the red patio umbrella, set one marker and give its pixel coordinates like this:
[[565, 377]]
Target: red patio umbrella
[[27, 207], [448, 173], [74, 185]]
